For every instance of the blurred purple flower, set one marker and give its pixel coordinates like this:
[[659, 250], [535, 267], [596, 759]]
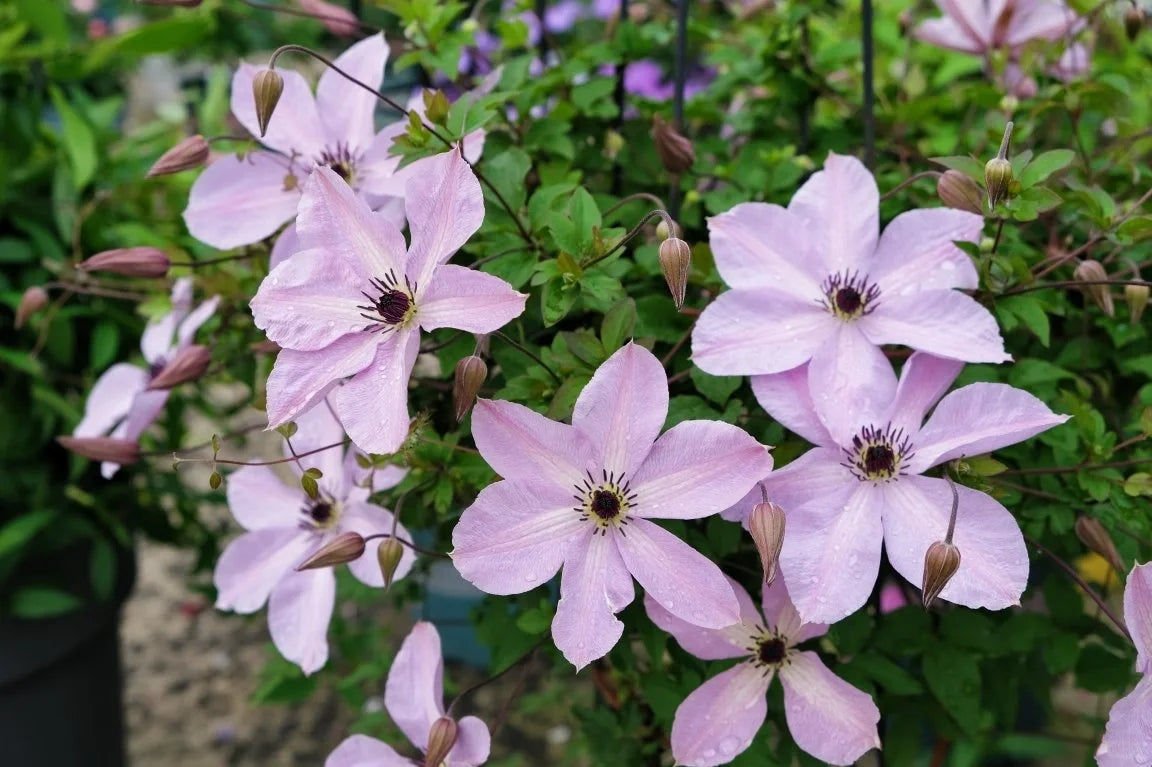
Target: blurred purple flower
[[1128, 736]]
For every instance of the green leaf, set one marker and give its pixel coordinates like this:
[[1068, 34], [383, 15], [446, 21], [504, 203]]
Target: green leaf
[[1044, 165], [102, 570], [15, 535], [969, 166], [887, 674], [716, 388], [556, 301], [537, 620], [1041, 198], [953, 676], [618, 324], [79, 141], [1060, 652], [1030, 310], [105, 338], [1136, 228], [585, 217], [1101, 670], [507, 171], [38, 602]]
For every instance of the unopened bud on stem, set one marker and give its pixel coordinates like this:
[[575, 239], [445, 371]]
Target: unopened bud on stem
[[130, 262], [190, 153], [123, 451], [388, 556], [675, 150], [267, 86], [34, 299], [766, 524], [1133, 20], [471, 373], [941, 562], [188, 365], [1092, 271], [958, 191], [998, 172], [1136, 296], [675, 263], [1093, 535], [346, 547], [441, 739]]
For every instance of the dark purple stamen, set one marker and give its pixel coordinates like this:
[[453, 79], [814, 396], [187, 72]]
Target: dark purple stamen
[[849, 296], [391, 305], [605, 504], [771, 651]]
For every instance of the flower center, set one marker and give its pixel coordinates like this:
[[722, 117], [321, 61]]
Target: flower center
[[342, 161], [848, 296], [605, 503], [322, 513], [878, 455], [390, 304], [769, 650]]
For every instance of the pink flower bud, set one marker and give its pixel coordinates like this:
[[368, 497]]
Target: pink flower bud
[[766, 524], [471, 372], [960, 192], [441, 739], [675, 150], [188, 365], [675, 263], [33, 300], [1092, 271], [130, 262], [267, 86], [941, 562], [123, 451], [1093, 535], [190, 153], [339, 21], [346, 547]]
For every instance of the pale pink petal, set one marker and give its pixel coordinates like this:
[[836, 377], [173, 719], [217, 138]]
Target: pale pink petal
[[356, 478], [923, 381], [916, 252], [756, 332], [334, 219], [258, 499], [993, 560], [319, 428], [947, 34], [238, 201], [781, 615], [414, 692], [1138, 613], [445, 207], [623, 408], [1017, 82], [254, 563], [976, 19], [818, 473], [473, 743], [1073, 63], [851, 383], [585, 627], [301, 379], [370, 519], [831, 551], [710, 644], [757, 245], [110, 399], [294, 126], [346, 109], [299, 611], [892, 598], [515, 536], [1039, 20], [156, 341], [697, 468], [311, 300], [682, 580], [373, 404], [519, 443], [842, 207], [186, 333], [788, 399], [719, 719], [946, 323], [980, 418], [1128, 735], [828, 718], [362, 751], [287, 243], [376, 173], [145, 410], [468, 299]]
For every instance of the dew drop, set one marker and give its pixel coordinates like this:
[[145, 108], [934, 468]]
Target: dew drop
[[813, 579], [730, 745], [708, 753], [947, 266]]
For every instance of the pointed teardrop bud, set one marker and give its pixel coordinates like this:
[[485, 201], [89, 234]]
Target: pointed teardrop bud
[[1133, 21], [766, 524], [441, 739], [998, 172], [344, 548], [958, 191], [188, 365], [34, 299], [675, 150], [130, 262], [1137, 298], [675, 263], [471, 373], [1092, 271], [267, 86], [941, 562], [1093, 535], [388, 556], [190, 153], [123, 451]]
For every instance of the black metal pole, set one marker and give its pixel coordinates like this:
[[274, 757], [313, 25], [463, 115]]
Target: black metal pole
[[869, 94], [542, 44], [619, 97], [357, 8], [679, 74]]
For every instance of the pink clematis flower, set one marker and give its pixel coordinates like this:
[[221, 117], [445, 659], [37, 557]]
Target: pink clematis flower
[[121, 404], [983, 26], [351, 304], [285, 526], [862, 484], [1128, 736], [828, 718], [414, 697], [816, 281], [583, 496]]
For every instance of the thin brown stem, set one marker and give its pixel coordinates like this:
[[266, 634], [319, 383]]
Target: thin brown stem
[[634, 231], [1096, 238], [910, 180], [94, 290], [1069, 284], [528, 353], [632, 198], [409, 544], [1077, 467], [528, 654], [677, 346], [220, 260], [1075, 576], [295, 457]]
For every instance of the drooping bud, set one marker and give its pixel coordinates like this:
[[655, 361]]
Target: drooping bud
[[441, 739], [190, 153], [388, 556], [123, 451], [346, 547], [958, 191], [675, 263], [130, 262], [471, 373], [1091, 271], [267, 86], [188, 365], [1137, 298], [998, 172], [34, 299], [1093, 535], [1133, 21], [941, 562], [766, 524], [664, 231], [675, 150]]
